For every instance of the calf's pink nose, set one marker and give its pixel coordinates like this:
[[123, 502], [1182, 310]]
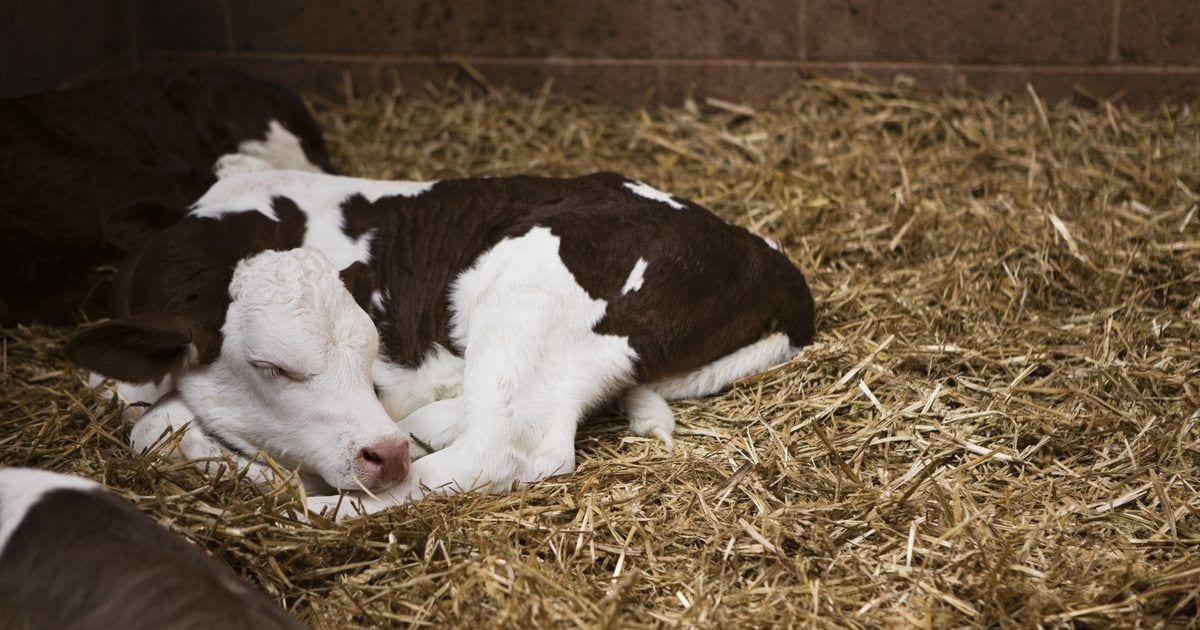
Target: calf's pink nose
[[383, 464]]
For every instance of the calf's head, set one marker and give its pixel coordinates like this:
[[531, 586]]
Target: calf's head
[[287, 373]]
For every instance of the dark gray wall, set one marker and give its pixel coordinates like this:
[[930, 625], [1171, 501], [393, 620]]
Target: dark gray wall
[[48, 44], [1137, 51]]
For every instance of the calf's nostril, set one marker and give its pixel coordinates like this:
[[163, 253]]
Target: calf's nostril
[[371, 457]]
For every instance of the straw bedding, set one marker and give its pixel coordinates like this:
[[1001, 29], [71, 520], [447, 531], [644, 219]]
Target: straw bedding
[[999, 423]]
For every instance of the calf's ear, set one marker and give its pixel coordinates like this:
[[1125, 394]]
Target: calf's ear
[[142, 348], [130, 226]]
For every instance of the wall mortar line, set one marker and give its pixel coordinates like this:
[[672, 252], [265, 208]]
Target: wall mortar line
[[751, 62]]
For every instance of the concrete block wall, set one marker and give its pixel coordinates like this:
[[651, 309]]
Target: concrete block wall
[[632, 51]]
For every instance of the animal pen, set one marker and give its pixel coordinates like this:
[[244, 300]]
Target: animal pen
[[997, 425]]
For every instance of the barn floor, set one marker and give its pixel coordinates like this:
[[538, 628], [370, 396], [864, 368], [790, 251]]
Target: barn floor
[[998, 425]]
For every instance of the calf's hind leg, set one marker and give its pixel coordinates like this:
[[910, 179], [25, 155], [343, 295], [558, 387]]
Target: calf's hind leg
[[646, 405], [649, 414]]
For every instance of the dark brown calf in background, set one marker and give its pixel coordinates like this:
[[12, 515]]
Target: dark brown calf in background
[[75, 556], [142, 145]]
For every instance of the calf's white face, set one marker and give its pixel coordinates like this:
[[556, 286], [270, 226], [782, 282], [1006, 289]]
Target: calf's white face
[[293, 377], [288, 375]]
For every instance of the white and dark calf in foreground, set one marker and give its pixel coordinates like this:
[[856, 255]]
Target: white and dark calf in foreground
[[507, 308], [74, 556]]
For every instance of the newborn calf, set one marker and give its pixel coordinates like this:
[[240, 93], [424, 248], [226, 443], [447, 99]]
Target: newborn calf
[[507, 308], [75, 556]]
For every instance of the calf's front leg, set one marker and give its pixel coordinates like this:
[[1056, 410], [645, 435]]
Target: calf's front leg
[[433, 427], [533, 367]]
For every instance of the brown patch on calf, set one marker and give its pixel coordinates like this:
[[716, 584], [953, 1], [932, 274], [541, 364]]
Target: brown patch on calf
[[709, 288], [359, 279], [85, 559]]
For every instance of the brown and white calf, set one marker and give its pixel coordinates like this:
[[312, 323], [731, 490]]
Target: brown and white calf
[[75, 556], [506, 308], [142, 146]]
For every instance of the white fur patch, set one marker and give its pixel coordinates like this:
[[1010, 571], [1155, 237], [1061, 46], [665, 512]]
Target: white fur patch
[[319, 196], [770, 242], [326, 236], [162, 419], [133, 395], [404, 390], [712, 378], [280, 149], [649, 192], [634, 281], [377, 300], [22, 488], [235, 163]]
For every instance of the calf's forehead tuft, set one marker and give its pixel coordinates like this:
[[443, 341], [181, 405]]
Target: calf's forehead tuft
[[300, 291], [285, 277]]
